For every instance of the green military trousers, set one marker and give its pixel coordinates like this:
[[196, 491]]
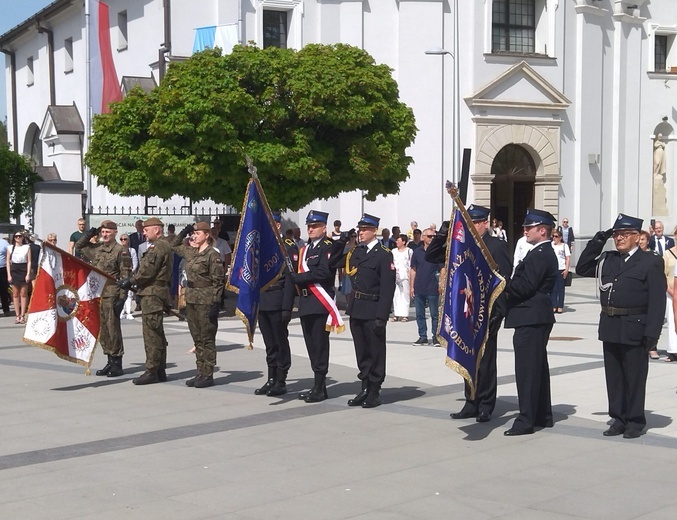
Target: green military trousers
[[154, 340], [110, 333], [203, 331]]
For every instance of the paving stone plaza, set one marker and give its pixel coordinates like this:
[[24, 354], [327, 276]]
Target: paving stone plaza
[[85, 448]]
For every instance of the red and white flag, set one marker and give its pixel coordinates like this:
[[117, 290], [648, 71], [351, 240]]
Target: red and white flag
[[103, 79], [63, 315]]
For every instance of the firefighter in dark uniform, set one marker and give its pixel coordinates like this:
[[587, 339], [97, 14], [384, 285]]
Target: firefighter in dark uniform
[[275, 306], [632, 293], [113, 259], [485, 392], [153, 280], [372, 275], [530, 314], [204, 286], [317, 309]]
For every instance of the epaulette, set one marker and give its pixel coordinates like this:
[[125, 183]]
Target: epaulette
[[385, 248], [289, 242], [328, 241]]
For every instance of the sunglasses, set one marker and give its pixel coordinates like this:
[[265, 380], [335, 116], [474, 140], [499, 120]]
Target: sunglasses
[[429, 236], [124, 240]]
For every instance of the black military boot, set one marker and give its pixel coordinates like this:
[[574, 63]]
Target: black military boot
[[106, 368], [147, 378], [191, 382], [116, 367], [280, 385], [272, 371], [373, 397], [204, 381], [318, 392], [360, 398]]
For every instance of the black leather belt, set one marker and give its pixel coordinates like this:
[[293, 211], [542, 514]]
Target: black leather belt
[[624, 311], [364, 296]]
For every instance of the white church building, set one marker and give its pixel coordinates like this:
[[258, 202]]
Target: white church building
[[564, 105]]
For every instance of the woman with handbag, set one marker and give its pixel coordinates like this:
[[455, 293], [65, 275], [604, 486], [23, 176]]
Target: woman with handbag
[[563, 258]]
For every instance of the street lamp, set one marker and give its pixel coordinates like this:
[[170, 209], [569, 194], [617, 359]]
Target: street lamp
[[439, 51]]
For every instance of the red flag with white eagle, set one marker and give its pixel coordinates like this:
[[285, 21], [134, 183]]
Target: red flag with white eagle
[[63, 315]]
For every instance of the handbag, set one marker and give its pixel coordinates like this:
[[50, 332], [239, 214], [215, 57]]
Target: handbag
[[567, 280]]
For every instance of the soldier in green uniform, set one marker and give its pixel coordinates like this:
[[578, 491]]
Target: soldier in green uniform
[[204, 285], [113, 259], [152, 281]]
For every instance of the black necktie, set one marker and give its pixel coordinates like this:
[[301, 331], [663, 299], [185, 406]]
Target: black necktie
[[660, 246], [625, 256]]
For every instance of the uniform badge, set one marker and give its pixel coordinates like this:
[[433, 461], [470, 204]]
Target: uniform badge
[[392, 266]]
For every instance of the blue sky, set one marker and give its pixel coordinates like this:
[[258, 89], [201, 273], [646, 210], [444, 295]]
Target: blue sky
[[12, 13]]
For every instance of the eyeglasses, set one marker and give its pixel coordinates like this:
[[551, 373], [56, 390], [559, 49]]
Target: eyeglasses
[[124, 240], [429, 236], [565, 222], [623, 235], [557, 236]]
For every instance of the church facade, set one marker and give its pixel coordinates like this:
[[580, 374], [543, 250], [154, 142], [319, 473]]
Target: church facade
[[564, 105]]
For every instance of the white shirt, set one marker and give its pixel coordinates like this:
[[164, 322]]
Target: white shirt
[[223, 248], [20, 254], [521, 249]]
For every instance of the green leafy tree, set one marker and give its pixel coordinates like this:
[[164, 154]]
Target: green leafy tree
[[316, 122], [16, 178]]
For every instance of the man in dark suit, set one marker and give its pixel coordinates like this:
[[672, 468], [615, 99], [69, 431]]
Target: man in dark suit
[[567, 234], [137, 238], [275, 308], [485, 395], [659, 242], [372, 275], [632, 293], [530, 314], [317, 309]]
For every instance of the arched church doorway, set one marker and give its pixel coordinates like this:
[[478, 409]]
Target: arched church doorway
[[512, 188]]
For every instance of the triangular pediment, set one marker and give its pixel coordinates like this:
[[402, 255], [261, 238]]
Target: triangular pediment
[[520, 86], [61, 120]]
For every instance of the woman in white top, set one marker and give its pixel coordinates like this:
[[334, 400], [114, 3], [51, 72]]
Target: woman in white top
[[563, 257], [402, 260], [127, 312], [18, 275]]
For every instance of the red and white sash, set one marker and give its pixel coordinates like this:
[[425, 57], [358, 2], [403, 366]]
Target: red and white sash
[[334, 320]]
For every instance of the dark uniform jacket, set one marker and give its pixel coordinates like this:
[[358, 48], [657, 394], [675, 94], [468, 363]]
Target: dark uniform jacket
[[112, 259], [372, 275], [155, 274], [280, 295], [638, 284], [204, 273], [319, 260], [437, 251], [528, 291]]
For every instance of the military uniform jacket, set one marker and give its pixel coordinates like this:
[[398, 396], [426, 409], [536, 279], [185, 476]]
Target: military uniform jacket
[[319, 259], [372, 275], [155, 272], [112, 259], [280, 295], [638, 283], [204, 273], [528, 291]]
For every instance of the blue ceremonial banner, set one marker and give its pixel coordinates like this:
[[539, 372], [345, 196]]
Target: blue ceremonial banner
[[471, 286], [258, 258]]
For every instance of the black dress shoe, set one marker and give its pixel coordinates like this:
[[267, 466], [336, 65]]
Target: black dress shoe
[[513, 432], [483, 417], [631, 434], [279, 388], [358, 399], [373, 400], [264, 389], [613, 431], [463, 414], [316, 395]]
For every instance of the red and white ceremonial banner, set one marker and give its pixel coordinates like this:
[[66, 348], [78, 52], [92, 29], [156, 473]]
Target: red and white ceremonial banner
[[63, 315]]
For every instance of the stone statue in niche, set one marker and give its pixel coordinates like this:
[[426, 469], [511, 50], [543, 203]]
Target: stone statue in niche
[[659, 170]]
